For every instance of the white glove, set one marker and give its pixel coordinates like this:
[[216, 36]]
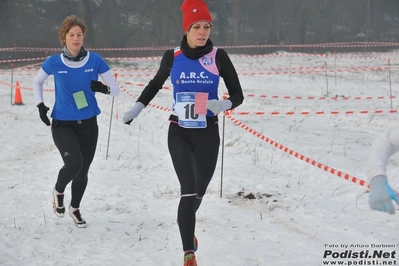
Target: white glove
[[217, 106], [133, 113], [381, 195]]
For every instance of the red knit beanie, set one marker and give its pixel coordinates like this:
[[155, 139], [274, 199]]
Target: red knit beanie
[[194, 10]]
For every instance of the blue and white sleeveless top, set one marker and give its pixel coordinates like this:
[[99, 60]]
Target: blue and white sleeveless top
[[189, 77]]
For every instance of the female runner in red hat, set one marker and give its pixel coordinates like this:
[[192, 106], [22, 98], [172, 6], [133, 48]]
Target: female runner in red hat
[[195, 68]]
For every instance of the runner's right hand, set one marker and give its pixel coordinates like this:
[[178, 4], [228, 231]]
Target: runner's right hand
[[43, 113]]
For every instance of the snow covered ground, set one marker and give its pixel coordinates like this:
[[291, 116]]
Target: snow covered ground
[[271, 204]]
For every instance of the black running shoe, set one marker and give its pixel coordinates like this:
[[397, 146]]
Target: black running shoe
[[58, 203]]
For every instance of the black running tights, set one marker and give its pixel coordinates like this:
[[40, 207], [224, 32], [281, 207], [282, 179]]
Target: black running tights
[[194, 154], [76, 142]]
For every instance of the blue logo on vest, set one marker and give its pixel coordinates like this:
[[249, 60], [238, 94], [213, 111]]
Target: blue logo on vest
[[207, 61]]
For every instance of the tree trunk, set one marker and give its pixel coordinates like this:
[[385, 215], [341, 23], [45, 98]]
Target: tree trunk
[[87, 18], [5, 18], [236, 21], [274, 21]]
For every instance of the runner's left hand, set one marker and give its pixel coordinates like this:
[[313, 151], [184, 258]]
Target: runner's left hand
[[133, 113], [98, 86], [217, 106]]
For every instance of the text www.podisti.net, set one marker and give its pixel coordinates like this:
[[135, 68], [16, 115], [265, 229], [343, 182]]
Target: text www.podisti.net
[[368, 255]]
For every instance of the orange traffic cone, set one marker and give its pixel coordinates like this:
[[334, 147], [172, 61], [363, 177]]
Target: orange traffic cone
[[18, 95]]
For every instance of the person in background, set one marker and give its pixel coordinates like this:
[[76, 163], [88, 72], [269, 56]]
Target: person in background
[[74, 116], [195, 68], [381, 193]]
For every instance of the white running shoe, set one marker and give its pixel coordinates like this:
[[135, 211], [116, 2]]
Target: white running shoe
[[77, 218]]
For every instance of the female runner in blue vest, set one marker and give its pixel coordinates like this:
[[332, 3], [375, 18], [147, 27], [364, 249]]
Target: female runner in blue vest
[[74, 115], [193, 137]]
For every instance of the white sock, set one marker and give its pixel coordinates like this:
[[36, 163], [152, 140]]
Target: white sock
[[72, 208]]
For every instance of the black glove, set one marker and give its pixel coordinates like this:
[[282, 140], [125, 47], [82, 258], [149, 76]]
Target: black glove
[[43, 113], [98, 86]]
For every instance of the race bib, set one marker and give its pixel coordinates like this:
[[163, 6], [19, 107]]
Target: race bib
[[80, 100], [201, 99], [185, 110]]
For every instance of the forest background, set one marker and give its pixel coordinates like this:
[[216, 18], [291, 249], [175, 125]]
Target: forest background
[[154, 23]]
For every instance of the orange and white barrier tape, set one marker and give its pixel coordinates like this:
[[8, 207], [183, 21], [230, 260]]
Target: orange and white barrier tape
[[154, 48], [334, 98], [349, 112], [281, 147], [264, 138], [298, 155]]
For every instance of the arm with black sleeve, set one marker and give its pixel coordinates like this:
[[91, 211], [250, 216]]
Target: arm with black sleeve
[[153, 87], [229, 74]]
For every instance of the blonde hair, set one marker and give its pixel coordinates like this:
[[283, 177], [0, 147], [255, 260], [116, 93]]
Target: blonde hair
[[68, 23]]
